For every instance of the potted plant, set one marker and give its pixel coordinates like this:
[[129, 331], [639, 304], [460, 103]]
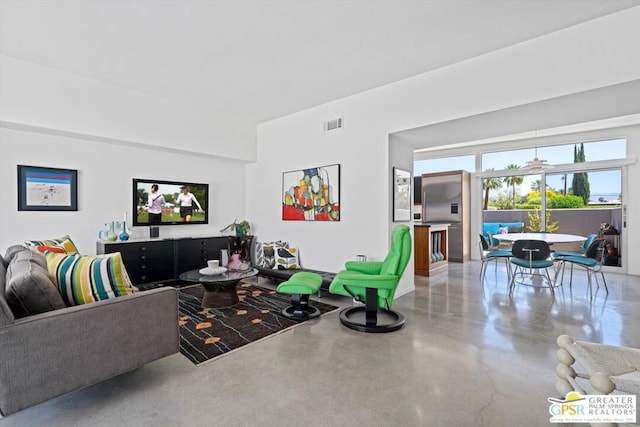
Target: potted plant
[[241, 228]]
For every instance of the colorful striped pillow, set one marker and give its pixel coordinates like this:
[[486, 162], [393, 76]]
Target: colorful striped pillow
[[83, 279], [64, 242]]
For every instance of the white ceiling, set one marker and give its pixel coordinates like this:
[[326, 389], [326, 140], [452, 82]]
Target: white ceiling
[[246, 62]]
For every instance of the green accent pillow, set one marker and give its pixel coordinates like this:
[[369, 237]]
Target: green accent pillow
[[83, 279]]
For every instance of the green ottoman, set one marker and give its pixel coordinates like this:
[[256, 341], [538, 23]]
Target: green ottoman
[[300, 286]]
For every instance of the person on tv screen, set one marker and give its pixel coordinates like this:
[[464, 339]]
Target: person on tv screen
[[155, 203], [185, 201]]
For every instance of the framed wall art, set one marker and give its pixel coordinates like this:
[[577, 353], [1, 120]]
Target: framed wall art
[[401, 195], [47, 189], [311, 194]]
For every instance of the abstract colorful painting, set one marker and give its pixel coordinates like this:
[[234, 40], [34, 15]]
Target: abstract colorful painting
[[311, 194]]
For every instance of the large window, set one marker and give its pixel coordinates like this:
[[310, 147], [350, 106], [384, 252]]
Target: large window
[[578, 190], [604, 186], [566, 198], [556, 154], [565, 187]]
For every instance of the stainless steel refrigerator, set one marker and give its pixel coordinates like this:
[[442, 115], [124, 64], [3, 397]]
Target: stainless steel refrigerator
[[445, 199]]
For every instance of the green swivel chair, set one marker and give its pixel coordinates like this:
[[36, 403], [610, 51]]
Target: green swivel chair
[[374, 283]]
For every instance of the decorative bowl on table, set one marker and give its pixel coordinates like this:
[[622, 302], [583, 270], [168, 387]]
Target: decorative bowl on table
[[208, 271]]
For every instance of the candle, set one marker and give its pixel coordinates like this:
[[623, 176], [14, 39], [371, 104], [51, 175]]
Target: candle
[[125, 216]]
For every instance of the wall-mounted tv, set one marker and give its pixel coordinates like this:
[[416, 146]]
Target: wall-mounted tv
[[157, 202]]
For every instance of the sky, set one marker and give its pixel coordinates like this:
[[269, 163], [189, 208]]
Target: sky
[[601, 182]]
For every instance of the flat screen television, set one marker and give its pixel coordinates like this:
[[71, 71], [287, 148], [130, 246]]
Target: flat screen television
[[170, 203]]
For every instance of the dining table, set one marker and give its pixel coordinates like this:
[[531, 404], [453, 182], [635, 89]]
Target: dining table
[[537, 279], [550, 238]]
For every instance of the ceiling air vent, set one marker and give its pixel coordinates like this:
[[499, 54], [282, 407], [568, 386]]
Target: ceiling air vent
[[333, 124]]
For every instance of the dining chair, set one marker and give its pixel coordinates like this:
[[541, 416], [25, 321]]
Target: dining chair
[[583, 248], [492, 241], [591, 261], [531, 255], [487, 255]]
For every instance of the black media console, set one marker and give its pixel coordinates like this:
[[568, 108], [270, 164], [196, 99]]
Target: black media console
[[154, 261]]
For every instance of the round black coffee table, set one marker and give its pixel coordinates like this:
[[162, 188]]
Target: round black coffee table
[[219, 289]]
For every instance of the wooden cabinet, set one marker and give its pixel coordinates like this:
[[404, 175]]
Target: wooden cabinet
[[149, 261], [430, 249], [420, 250]]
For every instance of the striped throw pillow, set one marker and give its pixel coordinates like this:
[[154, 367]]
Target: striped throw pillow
[[83, 279], [64, 242]]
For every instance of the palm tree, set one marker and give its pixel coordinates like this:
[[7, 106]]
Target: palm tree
[[513, 181], [489, 184], [536, 185]]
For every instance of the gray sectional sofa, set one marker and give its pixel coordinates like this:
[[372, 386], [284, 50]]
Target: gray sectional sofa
[[62, 348]]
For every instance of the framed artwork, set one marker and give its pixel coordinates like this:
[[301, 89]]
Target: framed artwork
[[401, 195], [47, 189], [311, 194]]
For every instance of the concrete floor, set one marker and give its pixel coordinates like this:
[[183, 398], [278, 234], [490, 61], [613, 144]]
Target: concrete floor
[[468, 356]]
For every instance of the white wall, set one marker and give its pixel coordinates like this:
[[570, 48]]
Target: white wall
[[584, 57], [105, 172], [36, 95], [401, 156], [299, 142], [110, 135]]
